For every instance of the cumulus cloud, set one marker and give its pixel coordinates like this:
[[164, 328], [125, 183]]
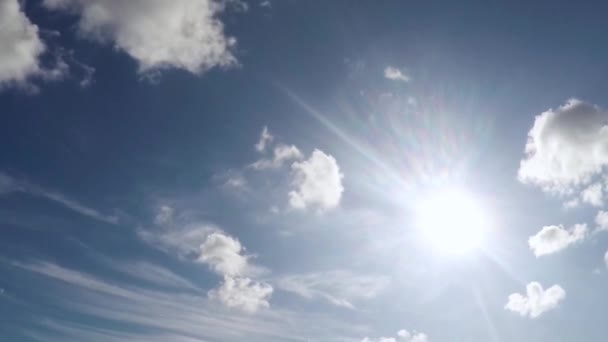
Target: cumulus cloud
[[213, 247], [552, 239], [265, 139], [536, 301], [242, 293], [340, 288], [593, 195], [317, 182], [601, 219], [281, 154], [396, 74], [21, 44], [566, 147], [223, 254], [402, 336], [158, 34]]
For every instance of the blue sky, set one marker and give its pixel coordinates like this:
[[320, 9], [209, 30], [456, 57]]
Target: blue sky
[[378, 171]]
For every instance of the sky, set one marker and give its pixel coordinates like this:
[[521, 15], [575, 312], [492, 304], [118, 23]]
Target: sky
[[266, 170]]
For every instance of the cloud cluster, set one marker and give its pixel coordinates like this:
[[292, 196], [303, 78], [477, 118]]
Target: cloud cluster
[[158, 34], [402, 336], [21, 44], [222, 253], [316, 182], [566, 148], [536, 301], [552, 239]]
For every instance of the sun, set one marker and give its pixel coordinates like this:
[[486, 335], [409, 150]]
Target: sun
[[452, 222]]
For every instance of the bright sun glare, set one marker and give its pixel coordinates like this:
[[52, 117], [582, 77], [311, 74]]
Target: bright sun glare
[[452, 222]]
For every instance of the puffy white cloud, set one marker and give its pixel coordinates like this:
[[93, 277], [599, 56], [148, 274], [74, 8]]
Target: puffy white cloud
[[281, 154], [340, 288], [265, 139], [317, 182], [593, 195], [566, 147], [242, 293], [601, 219], [21, 44], [223, 254], [183, 34], [396, 74], [403, 336], [536, 301], [552, 239]]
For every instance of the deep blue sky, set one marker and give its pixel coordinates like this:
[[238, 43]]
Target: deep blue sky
[[123, 201]]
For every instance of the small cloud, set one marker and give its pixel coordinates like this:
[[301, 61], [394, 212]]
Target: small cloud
[[552, 239], [536, 301], [402, 336], [573, 203], [281, 154], [265, 139], [317, 182], [266, 4], [601, 219], [396, 74], [242, 293], [164, 215], [593, 195]]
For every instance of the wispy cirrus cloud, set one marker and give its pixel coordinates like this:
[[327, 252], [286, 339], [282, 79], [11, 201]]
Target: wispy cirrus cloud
[[340, 288], [178, 316], [9, 184]]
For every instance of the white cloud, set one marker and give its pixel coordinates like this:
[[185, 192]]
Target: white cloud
[[402, 336], [536, 301], [242, 293], [281, 154], [164, 215], [223, 254], [340, 288], [566, 147], [266, 3], [317, 182], [593, 195], [265, 139], [396, 74], [21, 44], [601, 219], [552, 239], [573, 203], [158, 34]]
